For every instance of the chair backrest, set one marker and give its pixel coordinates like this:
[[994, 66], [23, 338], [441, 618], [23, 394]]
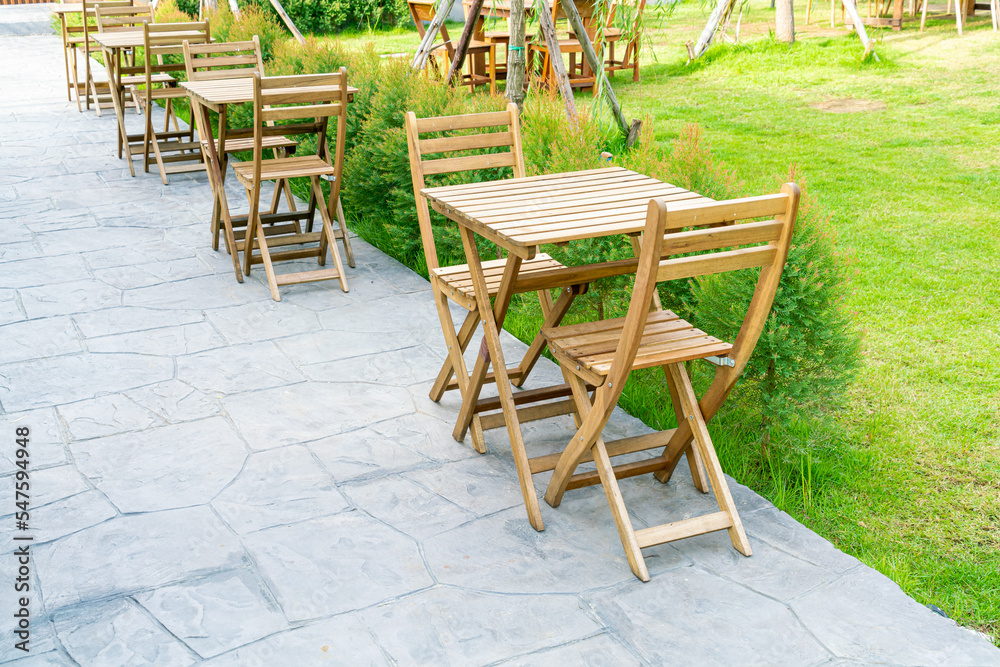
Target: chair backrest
[[701, 239], [316, 97], [166, 39], [509, 137], [223, 60], [114, 18], [89, 15], [423, 10]]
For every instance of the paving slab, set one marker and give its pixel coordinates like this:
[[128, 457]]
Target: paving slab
[[222, 479]]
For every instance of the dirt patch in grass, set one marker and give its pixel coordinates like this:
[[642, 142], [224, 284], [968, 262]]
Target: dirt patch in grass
[[849, 105]]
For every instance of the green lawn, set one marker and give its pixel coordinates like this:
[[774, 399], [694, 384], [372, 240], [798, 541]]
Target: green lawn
[[907, 477]]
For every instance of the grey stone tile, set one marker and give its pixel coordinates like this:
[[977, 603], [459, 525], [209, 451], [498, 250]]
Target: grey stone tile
[[107, 415], [49, 659], [201, 293], [11, 252], [131, 318], [599, 651], [406, 506], [378, 449], [36, 339], [47, 485], [366, 564], [10, 311], [73, 241], [779, 529], [144, 255], [54, 221], [447, 626], [320, 346], [174, 401], [69, 298], [166, 467], [117, 633], [689, 612], [277, 487], [577, 551], [46, 382], [340, 640], [126, 277], [865, 616], [398, 368], [13, 232], [481, 485], [44, 271], [166, 342], [70, 515], [41, 636], [310, 411], [263, 320], [45, 441], [216, 614], [133, 553], [240, 368]]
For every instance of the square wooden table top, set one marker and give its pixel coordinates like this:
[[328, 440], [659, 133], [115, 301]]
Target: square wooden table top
[[217, 93], [520, 214], [68, 8]]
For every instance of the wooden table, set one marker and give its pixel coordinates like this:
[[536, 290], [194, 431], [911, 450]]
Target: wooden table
[[217, 95], [520, 215]]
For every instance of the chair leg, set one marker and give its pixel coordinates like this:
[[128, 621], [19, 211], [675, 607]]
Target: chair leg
[[461, 342], [689, 403], [618, 510], [342, 223], [328, 236], [255, 231]]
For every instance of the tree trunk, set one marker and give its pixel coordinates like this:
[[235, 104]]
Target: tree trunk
[[515, 54], [464, 40], [784, 21]]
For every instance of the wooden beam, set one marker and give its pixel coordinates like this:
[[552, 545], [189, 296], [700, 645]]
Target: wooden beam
[[424, 50], [235, 8], [548, 29], [597, 66], [859, 27], [284, 17], [516, 55], [471, 19]]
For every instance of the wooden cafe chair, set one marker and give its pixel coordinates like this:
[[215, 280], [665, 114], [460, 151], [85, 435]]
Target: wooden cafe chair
[[175, 151], [81, 41], [454, 283], [678, 242], [310, 100], [218, 61]]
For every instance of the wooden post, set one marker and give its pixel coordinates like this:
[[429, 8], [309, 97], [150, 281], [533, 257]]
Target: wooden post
[[463, 42], [548, 29], [515, 54], [723, 7], [597, 66], [284, 17], [859, 27], [424, 50]]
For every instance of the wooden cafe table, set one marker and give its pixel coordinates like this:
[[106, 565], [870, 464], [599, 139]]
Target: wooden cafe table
[[216, 95], [520, 215]]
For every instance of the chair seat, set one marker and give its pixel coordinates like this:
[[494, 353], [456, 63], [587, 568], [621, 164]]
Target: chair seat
[[246, 144], [667, 339], [286, 167], [457, 281]]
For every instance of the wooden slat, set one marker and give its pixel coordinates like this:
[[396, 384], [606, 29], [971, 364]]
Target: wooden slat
[[301, 95], [648, 537], [727, 211], [465, 122], [529, 414], [528, 396], [306, 277], [700, 265], [220, 47], [622, 471], [468, 163], [305, 111], [285, 255], [465, 142], [300, 80], [699, 240], [631, 445]]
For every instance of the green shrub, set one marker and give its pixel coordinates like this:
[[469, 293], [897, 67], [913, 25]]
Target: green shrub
[[324, 16], [252, 21], [809, 349]]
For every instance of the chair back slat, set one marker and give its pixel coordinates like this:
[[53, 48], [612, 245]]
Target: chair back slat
[[222, 60], [718, 262], [161, 39], [702, 215], [717, 238], [509, 135], [115, 19], [301, 111]]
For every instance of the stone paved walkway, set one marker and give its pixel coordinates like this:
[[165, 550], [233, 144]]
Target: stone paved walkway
[[220, 478]]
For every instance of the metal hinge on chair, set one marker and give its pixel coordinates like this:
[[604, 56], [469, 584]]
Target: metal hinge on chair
[[329, 178], [721, 361]]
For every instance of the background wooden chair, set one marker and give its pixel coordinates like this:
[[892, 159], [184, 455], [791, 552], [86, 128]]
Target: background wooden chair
[[112, 18], [316, 97], [174, 151], [454, 283], [237, 60], [679, 242], [81, 41]]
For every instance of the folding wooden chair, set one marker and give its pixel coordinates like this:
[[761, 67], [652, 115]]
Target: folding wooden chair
[[80, 40], [454, 282], [678, 242], [170, 149], [316, 97], [238, 60], [111, 18]]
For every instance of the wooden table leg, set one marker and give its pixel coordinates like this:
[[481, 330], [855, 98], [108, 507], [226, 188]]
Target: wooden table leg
[[493, 317], [216, 178], [113, 56]]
